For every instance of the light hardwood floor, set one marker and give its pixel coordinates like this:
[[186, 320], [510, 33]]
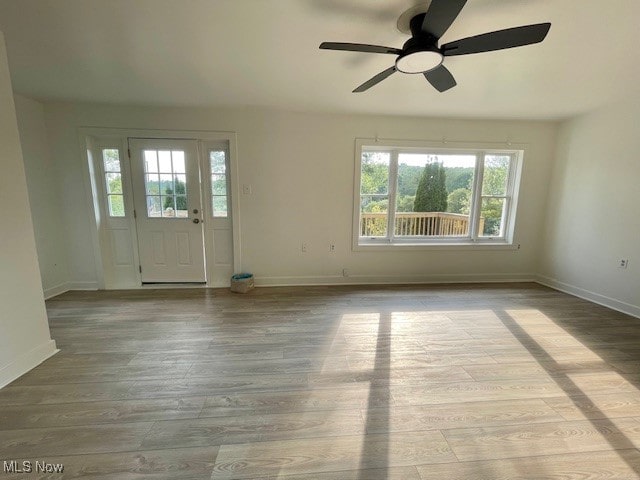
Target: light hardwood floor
[[479, 382]]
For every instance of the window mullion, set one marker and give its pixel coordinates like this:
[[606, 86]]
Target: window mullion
[[476, 196], [506, 212], [393, 187], [504, 221]]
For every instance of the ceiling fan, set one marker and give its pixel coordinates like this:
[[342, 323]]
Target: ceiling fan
[[421, 53]]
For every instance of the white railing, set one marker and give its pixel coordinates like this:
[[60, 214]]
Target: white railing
[[417, 224]]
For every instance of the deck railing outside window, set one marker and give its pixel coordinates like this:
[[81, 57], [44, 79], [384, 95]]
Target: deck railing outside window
[[417, 224]]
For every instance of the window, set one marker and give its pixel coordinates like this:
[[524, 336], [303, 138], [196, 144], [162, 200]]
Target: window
[[435, 196], [113, 181], [219, 180], [165, 184]]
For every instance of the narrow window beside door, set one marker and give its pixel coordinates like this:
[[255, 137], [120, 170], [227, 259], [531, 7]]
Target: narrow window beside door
[[219, 180], [113, 181]]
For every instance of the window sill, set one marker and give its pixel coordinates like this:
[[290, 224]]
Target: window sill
[[482, 246]]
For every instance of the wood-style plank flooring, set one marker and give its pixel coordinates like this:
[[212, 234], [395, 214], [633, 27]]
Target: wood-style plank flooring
[[479, 382]]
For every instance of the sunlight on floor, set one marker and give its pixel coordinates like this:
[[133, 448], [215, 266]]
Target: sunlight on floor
[[541, 350], [557, 342]]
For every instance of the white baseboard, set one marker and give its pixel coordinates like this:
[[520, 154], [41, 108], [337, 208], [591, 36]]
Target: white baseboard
[[65, 287], [26, 362], [82, 286], [629, 309], [55, 291], [288, 281]]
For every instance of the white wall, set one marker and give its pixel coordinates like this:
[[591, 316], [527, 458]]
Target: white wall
[[43, 195], [593, 218], [24, 332], [300, 167]]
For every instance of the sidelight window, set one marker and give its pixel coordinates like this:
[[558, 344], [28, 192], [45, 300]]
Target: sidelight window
[[113, 181]]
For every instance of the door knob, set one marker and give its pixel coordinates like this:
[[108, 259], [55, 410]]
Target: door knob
[[196, 220]]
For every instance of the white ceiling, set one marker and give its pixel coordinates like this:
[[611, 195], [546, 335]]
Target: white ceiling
[[265, 53]]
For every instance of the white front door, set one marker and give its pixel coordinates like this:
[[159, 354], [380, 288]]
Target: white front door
[[168, 207]]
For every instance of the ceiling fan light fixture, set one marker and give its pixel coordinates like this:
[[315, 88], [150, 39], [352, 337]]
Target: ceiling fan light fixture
[[419, 62]]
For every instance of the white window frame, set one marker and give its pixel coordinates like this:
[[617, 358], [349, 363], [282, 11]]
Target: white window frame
[[473, 241]]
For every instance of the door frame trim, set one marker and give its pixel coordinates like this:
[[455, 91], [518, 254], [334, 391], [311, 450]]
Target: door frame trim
[[88, 136]]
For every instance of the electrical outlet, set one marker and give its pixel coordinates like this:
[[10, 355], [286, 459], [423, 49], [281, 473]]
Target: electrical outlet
[[303, 247], [624, 263], [246, 189], [332, 247], [345, 272]]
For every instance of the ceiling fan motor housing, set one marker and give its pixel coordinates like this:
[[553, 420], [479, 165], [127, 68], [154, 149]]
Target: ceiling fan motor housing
[[420, 53]]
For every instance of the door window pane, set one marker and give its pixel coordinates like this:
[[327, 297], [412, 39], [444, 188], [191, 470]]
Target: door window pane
[[153, 207], [180, 184], [166, 191], [181, 206], [152, 184], [166, 184], [150, 161], [168, 206], [178, 161], [164, 161]]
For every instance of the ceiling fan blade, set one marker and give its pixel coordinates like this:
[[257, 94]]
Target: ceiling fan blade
[[440, 78], [441, 15], [359, 47], [500, 40], [375, 80]]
